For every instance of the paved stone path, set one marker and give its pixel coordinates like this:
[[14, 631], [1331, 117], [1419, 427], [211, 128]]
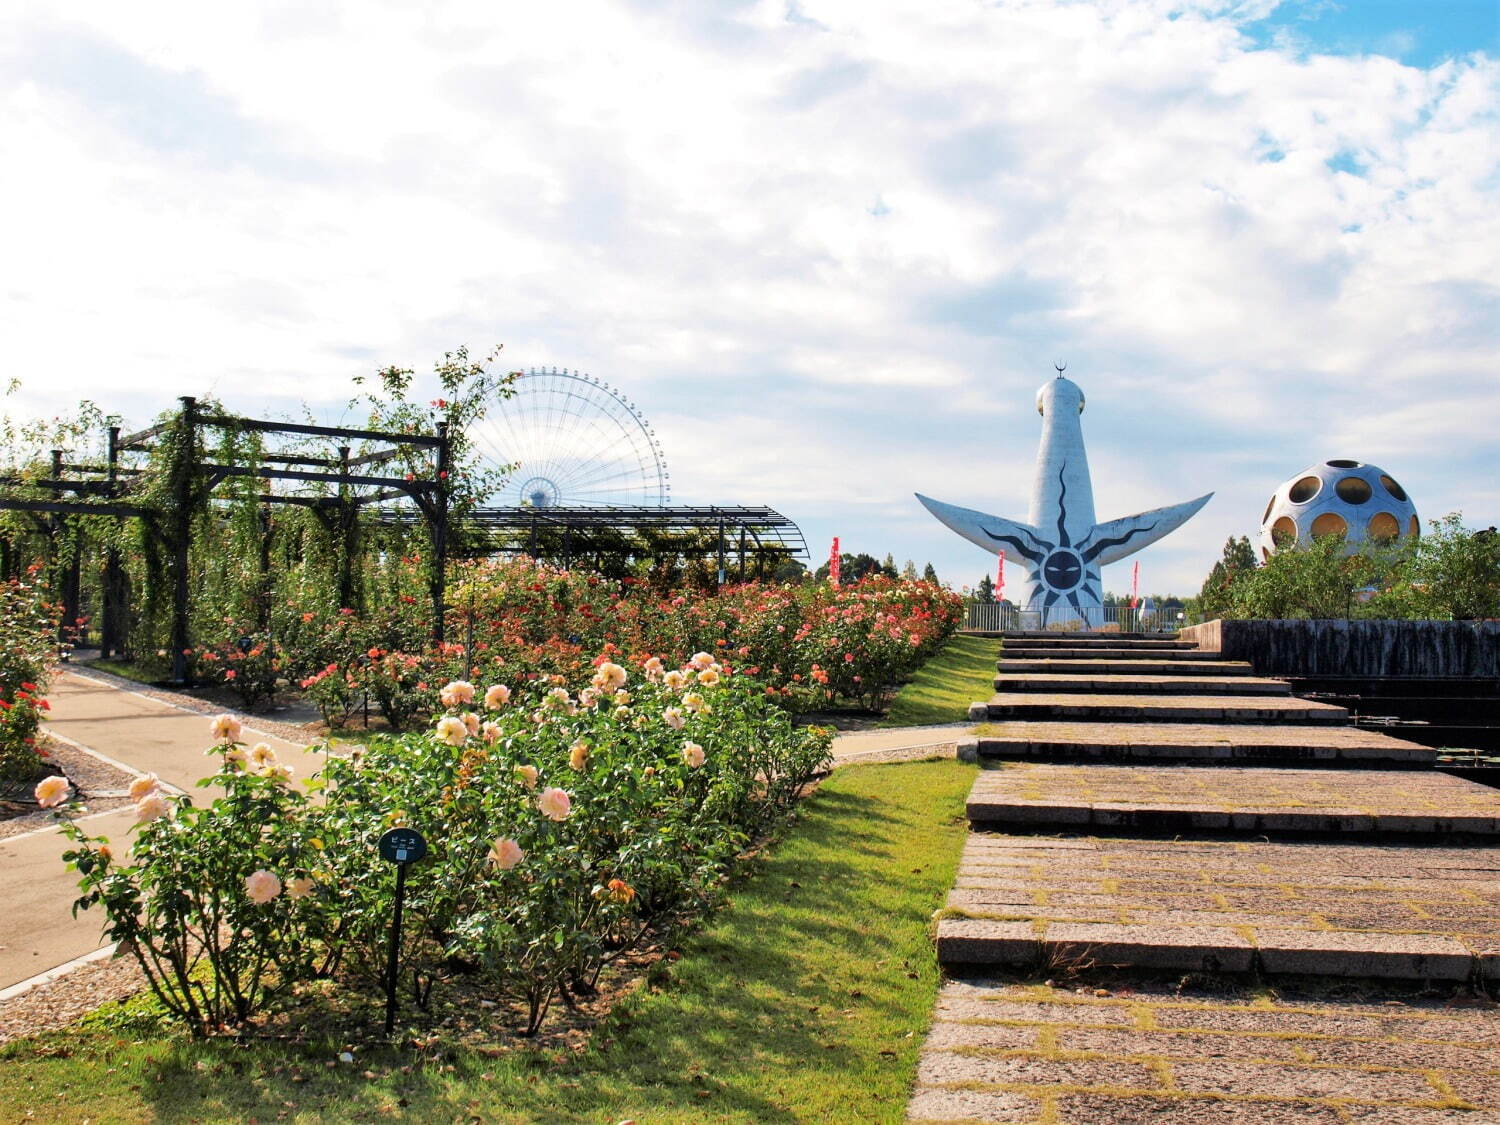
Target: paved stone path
[[1172, 797], [1200, 742], [37, 929], [1246, 896], [1145, 1054]]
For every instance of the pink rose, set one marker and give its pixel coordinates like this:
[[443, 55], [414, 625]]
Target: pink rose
[[262, 886], [554, 804], [225, 728], [505, 854], [151, 807]]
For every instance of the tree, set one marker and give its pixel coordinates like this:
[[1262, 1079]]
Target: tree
[[888, 568], [929, 574], [1217, 596], [853, 568], [1456, 571], [792, 571], [1319, 580], [985, 592], [909, 571]]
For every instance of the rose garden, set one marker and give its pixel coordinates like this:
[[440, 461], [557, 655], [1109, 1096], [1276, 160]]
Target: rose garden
[[688, 832]]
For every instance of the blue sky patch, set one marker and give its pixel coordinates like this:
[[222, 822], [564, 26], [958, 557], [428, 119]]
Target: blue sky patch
[[1417, 32]]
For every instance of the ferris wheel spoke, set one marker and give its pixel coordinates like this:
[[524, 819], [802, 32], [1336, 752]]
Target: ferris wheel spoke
[[574, 441]]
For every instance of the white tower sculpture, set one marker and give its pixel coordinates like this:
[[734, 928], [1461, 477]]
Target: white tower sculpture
[[1060, 544]]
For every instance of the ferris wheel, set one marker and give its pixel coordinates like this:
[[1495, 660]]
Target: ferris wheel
[[574, 441]]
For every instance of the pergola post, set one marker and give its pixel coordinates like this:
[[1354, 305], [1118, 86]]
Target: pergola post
[[439, 576], [182, 534]]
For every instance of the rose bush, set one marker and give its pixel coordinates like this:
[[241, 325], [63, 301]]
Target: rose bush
[[568, 821], [28, 631]]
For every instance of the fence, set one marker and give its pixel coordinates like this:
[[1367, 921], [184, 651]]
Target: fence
[[1001, 617]]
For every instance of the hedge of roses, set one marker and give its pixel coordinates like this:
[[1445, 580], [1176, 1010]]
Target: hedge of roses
[[28, 643], [808, 645], [568, 822]]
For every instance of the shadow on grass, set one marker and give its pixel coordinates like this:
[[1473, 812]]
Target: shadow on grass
[[805, 999]]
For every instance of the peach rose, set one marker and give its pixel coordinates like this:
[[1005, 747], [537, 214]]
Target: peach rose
[[708, 677], [262, 886], [674, 680], [578, 754], [490, 732], [609, 678], [701, 660], [456, 694], [693, 754], [225, 728], [554, 804], [471, 722], [301, 887], [51, 791], [152, 806], [655, 669], [672, 716], [452, 730], [506, 853], [496, 696], [526, 775], [143, 785], [261, 755]]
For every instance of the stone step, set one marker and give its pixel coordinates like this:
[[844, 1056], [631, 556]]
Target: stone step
[[1277, 907], [1102, 652], [1233, 799], [1188, 743], [1193, 1052], [1106, 640], [1128, 667], [1092, 635], [1139, 685], [1156, 708]]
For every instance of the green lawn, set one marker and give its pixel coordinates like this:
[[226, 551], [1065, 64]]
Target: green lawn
[[962, 671], [805, 1000]]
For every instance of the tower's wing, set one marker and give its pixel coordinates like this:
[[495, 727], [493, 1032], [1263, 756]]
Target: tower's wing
[[993, 533], [1113, 541]]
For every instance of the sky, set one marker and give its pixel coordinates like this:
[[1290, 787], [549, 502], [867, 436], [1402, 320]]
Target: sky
[[830, 248]]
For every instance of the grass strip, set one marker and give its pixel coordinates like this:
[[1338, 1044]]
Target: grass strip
[[959, 673], [805, 999]]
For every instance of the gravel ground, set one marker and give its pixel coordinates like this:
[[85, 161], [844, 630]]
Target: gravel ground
[[59, 1002], [102, 785]]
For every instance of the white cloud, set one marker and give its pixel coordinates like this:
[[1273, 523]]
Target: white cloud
[[863, 231]]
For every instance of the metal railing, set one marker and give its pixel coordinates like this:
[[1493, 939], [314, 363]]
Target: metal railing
[[997, 617]]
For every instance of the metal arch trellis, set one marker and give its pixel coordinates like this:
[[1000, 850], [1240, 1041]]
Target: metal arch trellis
[[112, 496], [573, 441]]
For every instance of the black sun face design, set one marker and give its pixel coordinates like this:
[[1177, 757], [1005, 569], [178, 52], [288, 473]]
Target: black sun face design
[[1062, 569]]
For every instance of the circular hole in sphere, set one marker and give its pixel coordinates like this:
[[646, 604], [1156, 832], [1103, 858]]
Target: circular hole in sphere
[[1329, 523], [1392, 487], [1304, 490], [1384, 526], [1284, 530], [1265, 555], [1352, 490], [1414, 529], [1269, 505], [1341, 464]]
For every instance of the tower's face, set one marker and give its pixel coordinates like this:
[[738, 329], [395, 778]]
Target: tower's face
[[1059, 398], [1063, 570], [1361, 502]]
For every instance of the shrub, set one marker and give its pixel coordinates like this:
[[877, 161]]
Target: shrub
[[28, 627], [566, 825]]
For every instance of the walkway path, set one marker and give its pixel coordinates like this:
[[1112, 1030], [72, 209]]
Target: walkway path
[[1249, 858], [147, 735]]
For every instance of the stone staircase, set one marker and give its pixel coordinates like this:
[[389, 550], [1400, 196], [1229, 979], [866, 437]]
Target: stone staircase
[[1155, 819], [1107, 739]]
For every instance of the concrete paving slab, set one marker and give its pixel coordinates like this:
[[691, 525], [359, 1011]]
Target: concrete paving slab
[[1041, 706], [1139, 684], [1295, 907], [1010, 1052], [1234, 798], [1243, 743], [1127, 667]]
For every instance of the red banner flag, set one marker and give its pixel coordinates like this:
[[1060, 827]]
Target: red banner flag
[[1135, 583], [833, 562], [1000, 579]]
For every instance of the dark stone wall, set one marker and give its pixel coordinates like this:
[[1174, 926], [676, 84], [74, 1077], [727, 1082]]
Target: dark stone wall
[[1356, 648]]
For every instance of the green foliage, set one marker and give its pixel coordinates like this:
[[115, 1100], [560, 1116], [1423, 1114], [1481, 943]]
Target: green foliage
[[565, 826], [1456, 572], [1217, 596], [1318, 580], [808, 1001], [28, 626]]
